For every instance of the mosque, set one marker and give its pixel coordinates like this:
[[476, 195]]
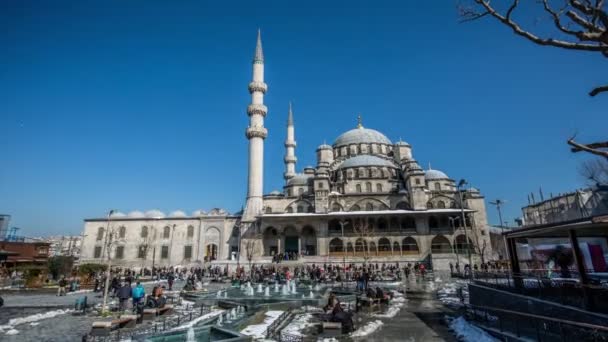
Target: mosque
[[366, 200]]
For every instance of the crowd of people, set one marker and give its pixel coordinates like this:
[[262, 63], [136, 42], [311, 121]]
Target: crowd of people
[[490, 266]]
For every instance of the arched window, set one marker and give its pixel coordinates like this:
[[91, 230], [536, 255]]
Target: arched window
[[358, 187], [440, 204], [429, 205], [336, 207], [320, 185], [300, 209], [310, 209], [408, 222], [122, 231], [402, 206], [417, 181], [409, 246], [355, 208], [437, 186], [440, 244], [289, 192], [144, 232], [394, 223], [433, 222], [300, 191], [336, 246], [268, 210], [384, 245], [99, 233], [378, 187], [190, 232], [360, 245], [396, 247], [368, 187], [333, 226], [369, 207], [166, 232], [289, 210], [461, 245]]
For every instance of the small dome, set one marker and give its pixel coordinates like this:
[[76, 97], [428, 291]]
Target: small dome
[[473, 190], [362, 135], [218, 212], [155, 213], [324, 147], [276, 193], [178, 213], [117, 214], [431, 174], [365, 160], [299, 179], [402, 143], [136, 214], [199, 212]]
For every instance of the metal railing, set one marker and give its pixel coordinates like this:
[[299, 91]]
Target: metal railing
[[272, 331], [565, 291], [535, 327]]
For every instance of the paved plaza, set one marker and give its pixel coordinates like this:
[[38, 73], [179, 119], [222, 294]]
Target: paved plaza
[[421, 316]]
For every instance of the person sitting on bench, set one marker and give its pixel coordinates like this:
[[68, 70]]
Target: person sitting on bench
[[379, 293], [370, 293], [156, 300]]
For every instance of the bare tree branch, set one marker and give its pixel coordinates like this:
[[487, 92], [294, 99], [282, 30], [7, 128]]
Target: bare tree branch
[[580, 147], [598, 90]]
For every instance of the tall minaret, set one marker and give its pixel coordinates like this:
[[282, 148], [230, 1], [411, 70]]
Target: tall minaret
[[290, 147], [256, 133]]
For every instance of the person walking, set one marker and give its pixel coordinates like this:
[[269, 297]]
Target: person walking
[[124, 293], [62, 284], [170, 280]]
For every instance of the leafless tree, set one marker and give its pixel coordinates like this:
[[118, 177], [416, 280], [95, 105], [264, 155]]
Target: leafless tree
[[598, 148], [364, 230], [251, 249], [596, 171], [579, 25]]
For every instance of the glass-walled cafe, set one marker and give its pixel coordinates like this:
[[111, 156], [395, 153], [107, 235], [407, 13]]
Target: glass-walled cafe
[[569, 250]]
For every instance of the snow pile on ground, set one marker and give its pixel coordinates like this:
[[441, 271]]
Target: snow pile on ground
[[392, 311], [467, 332], [449, 296], [298, 324], [9, 328], [193, 322], [367, 329], [80, 291], [258, 331]]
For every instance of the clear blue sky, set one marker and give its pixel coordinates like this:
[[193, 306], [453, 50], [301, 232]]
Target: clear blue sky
[[141, 104]]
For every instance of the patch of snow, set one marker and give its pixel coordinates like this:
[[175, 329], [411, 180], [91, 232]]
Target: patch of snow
[[34, 324], [80, 291], [298, 324], [258, 331], [367, 329], [393, 309], [198, 319], [12, 332], [468, 332], [30, 319]]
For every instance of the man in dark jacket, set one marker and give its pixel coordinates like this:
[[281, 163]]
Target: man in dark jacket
[[124, 293]]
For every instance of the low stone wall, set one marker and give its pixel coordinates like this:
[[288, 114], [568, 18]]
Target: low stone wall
[[489, 297]]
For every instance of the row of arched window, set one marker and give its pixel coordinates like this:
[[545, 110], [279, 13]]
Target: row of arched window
[[439, 244], [368, 187], [144, 232], [356, 149]]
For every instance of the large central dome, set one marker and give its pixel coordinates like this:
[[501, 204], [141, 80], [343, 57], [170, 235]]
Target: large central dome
[[362, 135]]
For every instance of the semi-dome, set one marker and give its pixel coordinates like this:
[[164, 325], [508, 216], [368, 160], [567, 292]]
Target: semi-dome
[[155, 214], [177, 213], [136, 214], [276, 193], [218, 212], [361, 135], [431, 174], [117, 214], [365, 160], [324, 147], [299, 179]]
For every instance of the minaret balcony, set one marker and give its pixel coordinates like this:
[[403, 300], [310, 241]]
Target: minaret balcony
[[256, 132], [257, 109], [258, 86], [290, 143], [290, 159]]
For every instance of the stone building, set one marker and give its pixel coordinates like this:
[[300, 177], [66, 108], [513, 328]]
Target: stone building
[[570, 206], [366, 199]]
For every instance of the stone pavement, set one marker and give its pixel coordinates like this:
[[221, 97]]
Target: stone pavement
[[421, 319]]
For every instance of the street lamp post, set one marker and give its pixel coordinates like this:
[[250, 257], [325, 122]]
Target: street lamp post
[[464, 223], [107, 242], [452, 219]]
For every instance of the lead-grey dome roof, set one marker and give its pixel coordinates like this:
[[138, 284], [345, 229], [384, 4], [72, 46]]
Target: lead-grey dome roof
[[365, 160], [361, 135], [299, 179], [431, 174]]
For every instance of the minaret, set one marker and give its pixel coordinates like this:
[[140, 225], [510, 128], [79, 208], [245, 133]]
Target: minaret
[[290, 147], [256, 133]]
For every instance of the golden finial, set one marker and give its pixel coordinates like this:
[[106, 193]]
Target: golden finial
[[359, 121]]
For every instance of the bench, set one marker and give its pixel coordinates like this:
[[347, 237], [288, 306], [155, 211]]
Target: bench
[[150, 314], [104, 328]]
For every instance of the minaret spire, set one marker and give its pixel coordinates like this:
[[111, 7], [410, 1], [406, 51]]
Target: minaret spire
[[359, 121], [290, 147], [256, 133]]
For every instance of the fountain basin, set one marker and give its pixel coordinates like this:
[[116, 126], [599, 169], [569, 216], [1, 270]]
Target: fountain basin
[[201, 334]]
